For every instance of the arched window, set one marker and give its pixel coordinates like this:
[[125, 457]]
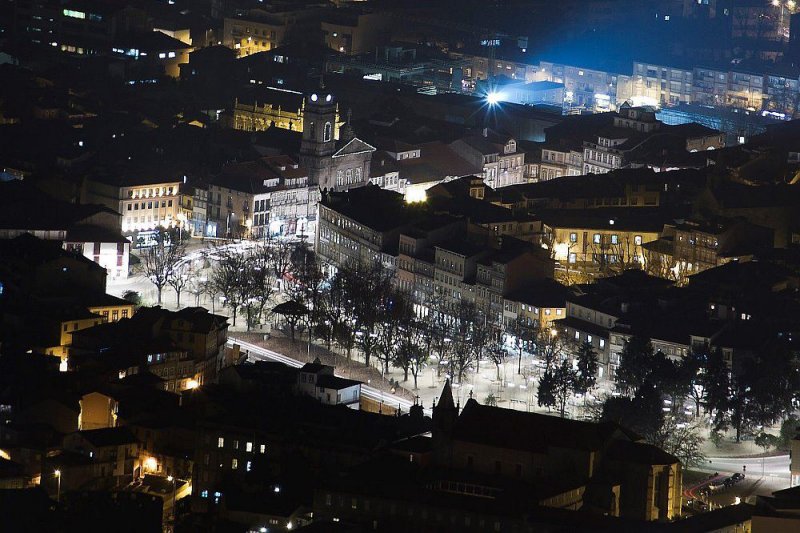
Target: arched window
[[327, 132], [339, 180], [358, 175], [311, 129], [349, 174]]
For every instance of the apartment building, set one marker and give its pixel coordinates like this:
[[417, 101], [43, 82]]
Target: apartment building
[[660, 84], [496, 155]]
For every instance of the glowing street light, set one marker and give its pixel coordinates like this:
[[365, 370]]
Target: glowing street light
[[493, 98], [58, 479]]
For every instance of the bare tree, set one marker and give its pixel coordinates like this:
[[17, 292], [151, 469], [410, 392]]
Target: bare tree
[[197, 288], [465, 320], [279, 252], [307, 286], [550, 347], [179, 279], [664, 265], [159, 260], [522, 335], [497, 354], [367, 287], [228, 277]]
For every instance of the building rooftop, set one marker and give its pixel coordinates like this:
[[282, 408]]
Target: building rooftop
[[531, 431], [109, 436], [542, 293], [329, 381]]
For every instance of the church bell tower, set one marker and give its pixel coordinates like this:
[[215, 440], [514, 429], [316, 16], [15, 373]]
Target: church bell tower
[[318, 144]]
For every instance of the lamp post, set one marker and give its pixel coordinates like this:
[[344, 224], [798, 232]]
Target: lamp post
[[58, 480], [181, 221], [174, 514]]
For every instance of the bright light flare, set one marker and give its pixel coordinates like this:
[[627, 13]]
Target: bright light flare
[[494, 97]]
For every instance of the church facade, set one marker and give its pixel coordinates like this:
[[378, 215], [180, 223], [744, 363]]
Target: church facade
[[332, 164]]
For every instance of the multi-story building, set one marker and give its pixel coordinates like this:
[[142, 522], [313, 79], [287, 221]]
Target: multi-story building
[[638, 139], [261, 30], [588, 243], [275, 108], [186, 348], [268, 196], [352, 31], [660, 84], [745, 90], [585, 88], [560, 160], [145, 204], [630, 123], [90, 230], [497, 156], [539, 303], [272, 109], [782, 90], [694, 245], [363, 224], [112, 452]]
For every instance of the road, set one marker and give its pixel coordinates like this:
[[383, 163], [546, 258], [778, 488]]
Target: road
[[775, 466], [258, 353]]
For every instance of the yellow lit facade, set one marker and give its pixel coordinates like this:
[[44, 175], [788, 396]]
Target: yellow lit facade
[[248, 37], [262, 116], [532, 314], [583, 246]]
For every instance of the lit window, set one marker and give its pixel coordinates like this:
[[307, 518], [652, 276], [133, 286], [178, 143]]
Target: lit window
[[74, 14], [263, 448], [558, 312], [577, 335], [234, 464], [596, 238], [614, 239], [248, 447], [547, 311], [220, 442], [162, 55], [637, 240], [171, 54], [573, 258], [573, 237], [602, 343], [204, 494], [588, 338], [249, 466]]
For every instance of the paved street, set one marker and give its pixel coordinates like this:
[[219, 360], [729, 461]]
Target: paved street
[[776, 466]]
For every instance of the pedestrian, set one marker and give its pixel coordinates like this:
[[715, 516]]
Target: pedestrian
[[744, 469]]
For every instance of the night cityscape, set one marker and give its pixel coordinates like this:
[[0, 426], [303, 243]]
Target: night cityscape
[[399, 266]]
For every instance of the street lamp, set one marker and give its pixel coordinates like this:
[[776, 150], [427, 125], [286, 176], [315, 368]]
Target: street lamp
[[181, 220], [174, 513], [58, 479]]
